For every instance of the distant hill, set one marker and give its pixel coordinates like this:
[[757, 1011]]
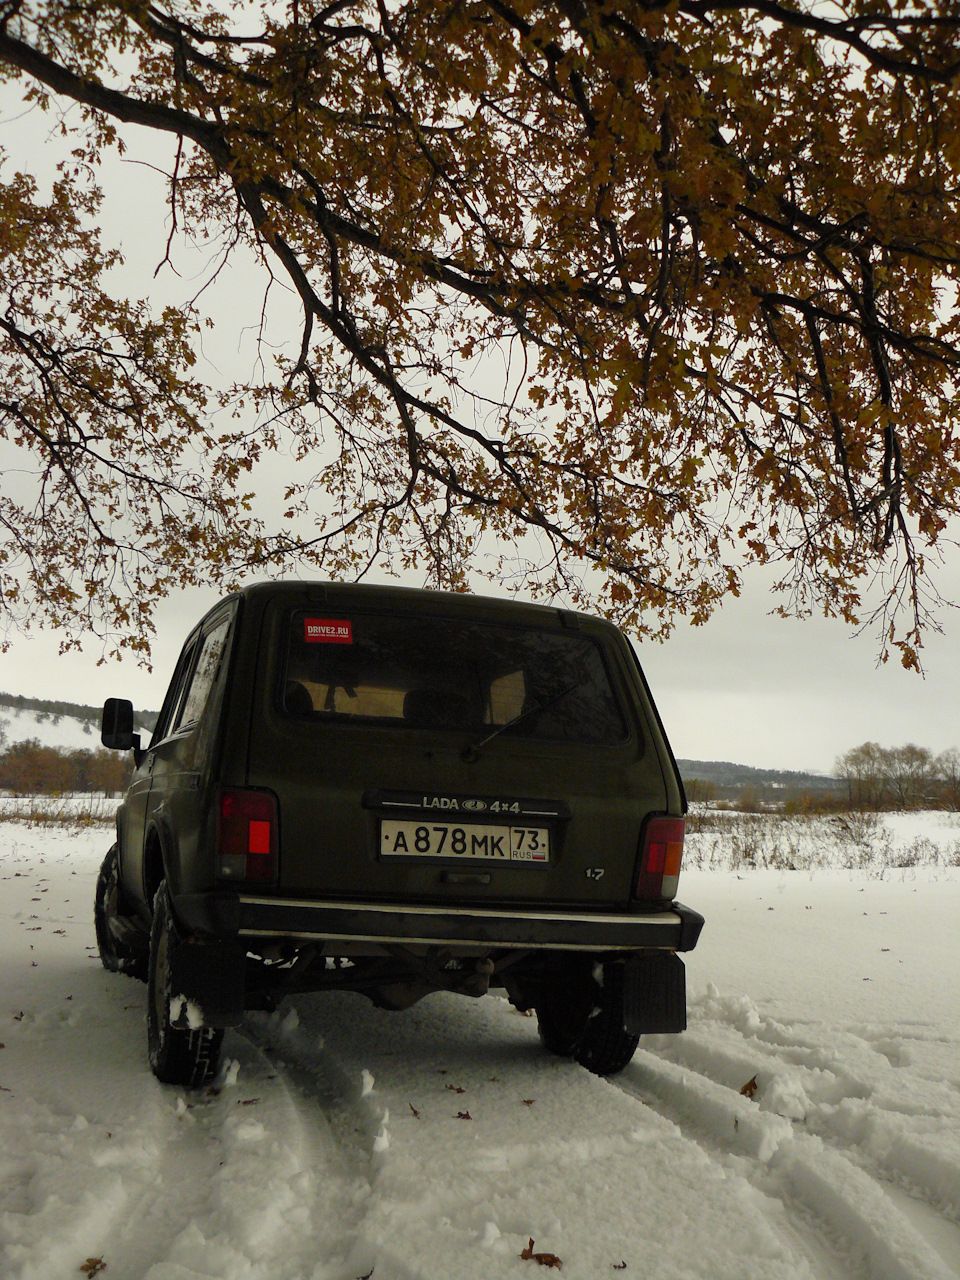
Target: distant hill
[[730, 779], [58, 724]]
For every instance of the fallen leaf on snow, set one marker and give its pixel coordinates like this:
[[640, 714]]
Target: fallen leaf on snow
[[463, 1115], [528, 1102], [750, 1088], [416, 1113], [454, 1088], [93, 1266], [545, 1259]]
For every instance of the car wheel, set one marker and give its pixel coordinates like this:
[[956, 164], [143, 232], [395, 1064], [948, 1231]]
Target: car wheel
[[604, 1047], [178, 1055], [564, 1005], [116, 956], [580, 1015]]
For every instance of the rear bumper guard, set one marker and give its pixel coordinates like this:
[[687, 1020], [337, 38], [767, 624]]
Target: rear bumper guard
[[248, 916]]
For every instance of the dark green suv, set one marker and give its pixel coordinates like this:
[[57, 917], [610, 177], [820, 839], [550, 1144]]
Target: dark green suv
[[396, 792]]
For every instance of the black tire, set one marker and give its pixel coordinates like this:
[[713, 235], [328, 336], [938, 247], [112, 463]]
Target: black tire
[[178, 1055], [580, 1015], [564, 1005], [115, 956]]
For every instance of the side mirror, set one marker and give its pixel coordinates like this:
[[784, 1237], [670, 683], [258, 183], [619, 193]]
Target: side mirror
[[116, 726]]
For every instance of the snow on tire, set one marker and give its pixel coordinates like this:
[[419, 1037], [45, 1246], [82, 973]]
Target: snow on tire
[[580, 1015], [178, 1055]]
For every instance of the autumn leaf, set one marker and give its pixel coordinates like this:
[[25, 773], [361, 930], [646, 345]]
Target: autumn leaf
[[463, 1115], [416, 1113], [93, 1266], [544, 1259], [750, 1088], [454, 1088]]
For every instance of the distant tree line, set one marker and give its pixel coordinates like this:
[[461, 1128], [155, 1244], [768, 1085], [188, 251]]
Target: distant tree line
[[866, 778], [907, 777], [30, 768]]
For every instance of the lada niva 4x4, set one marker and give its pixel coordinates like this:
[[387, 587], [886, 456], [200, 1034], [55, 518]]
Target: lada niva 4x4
[[396, 792]]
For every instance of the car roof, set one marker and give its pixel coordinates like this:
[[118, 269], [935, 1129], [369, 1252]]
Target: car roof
[[346, 595]]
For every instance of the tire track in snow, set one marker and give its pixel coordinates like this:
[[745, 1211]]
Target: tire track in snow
[[251, 1184], [478, 1141], [838, 1171], [876, 1101]]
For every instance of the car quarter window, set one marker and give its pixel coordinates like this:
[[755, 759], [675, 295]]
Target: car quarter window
[[194, 697]]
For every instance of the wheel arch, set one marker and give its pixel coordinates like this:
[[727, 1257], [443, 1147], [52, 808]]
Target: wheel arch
[[158, 863]]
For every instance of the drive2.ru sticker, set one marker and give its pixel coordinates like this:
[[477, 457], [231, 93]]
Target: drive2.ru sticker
[[327, 631]]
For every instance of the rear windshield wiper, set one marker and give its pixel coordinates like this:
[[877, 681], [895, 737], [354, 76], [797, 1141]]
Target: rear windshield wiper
[[472, 752]]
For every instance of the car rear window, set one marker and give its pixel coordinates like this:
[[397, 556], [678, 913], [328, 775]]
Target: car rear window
[[449, 674]]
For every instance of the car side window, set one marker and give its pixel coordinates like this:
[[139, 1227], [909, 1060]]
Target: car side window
[[174, 695], [204, 673]]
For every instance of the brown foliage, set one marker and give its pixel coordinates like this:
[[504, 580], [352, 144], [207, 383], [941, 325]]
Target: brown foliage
[[709, 242], [29, 768]]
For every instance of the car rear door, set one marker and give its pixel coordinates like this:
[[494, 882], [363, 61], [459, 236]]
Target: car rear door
[[435, 756]]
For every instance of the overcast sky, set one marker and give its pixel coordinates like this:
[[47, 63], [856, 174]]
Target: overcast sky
[[746, 687]]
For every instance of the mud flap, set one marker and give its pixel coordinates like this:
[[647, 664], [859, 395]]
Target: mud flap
[[654, 994], [206, 984]]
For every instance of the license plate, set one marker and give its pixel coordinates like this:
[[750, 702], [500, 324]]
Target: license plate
[[447, 840]]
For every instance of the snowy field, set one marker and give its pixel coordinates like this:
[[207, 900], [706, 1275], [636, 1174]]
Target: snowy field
[[806, 1127]]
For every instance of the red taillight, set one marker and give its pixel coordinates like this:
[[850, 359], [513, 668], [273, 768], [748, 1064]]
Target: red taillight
[[247, 836], [661, 851]]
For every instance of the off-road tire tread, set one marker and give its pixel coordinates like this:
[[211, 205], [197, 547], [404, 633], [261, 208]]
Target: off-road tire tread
[[177, 1055], [605, 1048], [115, 956], [569, 1027]]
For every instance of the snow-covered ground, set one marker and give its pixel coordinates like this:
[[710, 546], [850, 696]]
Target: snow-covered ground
[[806, 1127]]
